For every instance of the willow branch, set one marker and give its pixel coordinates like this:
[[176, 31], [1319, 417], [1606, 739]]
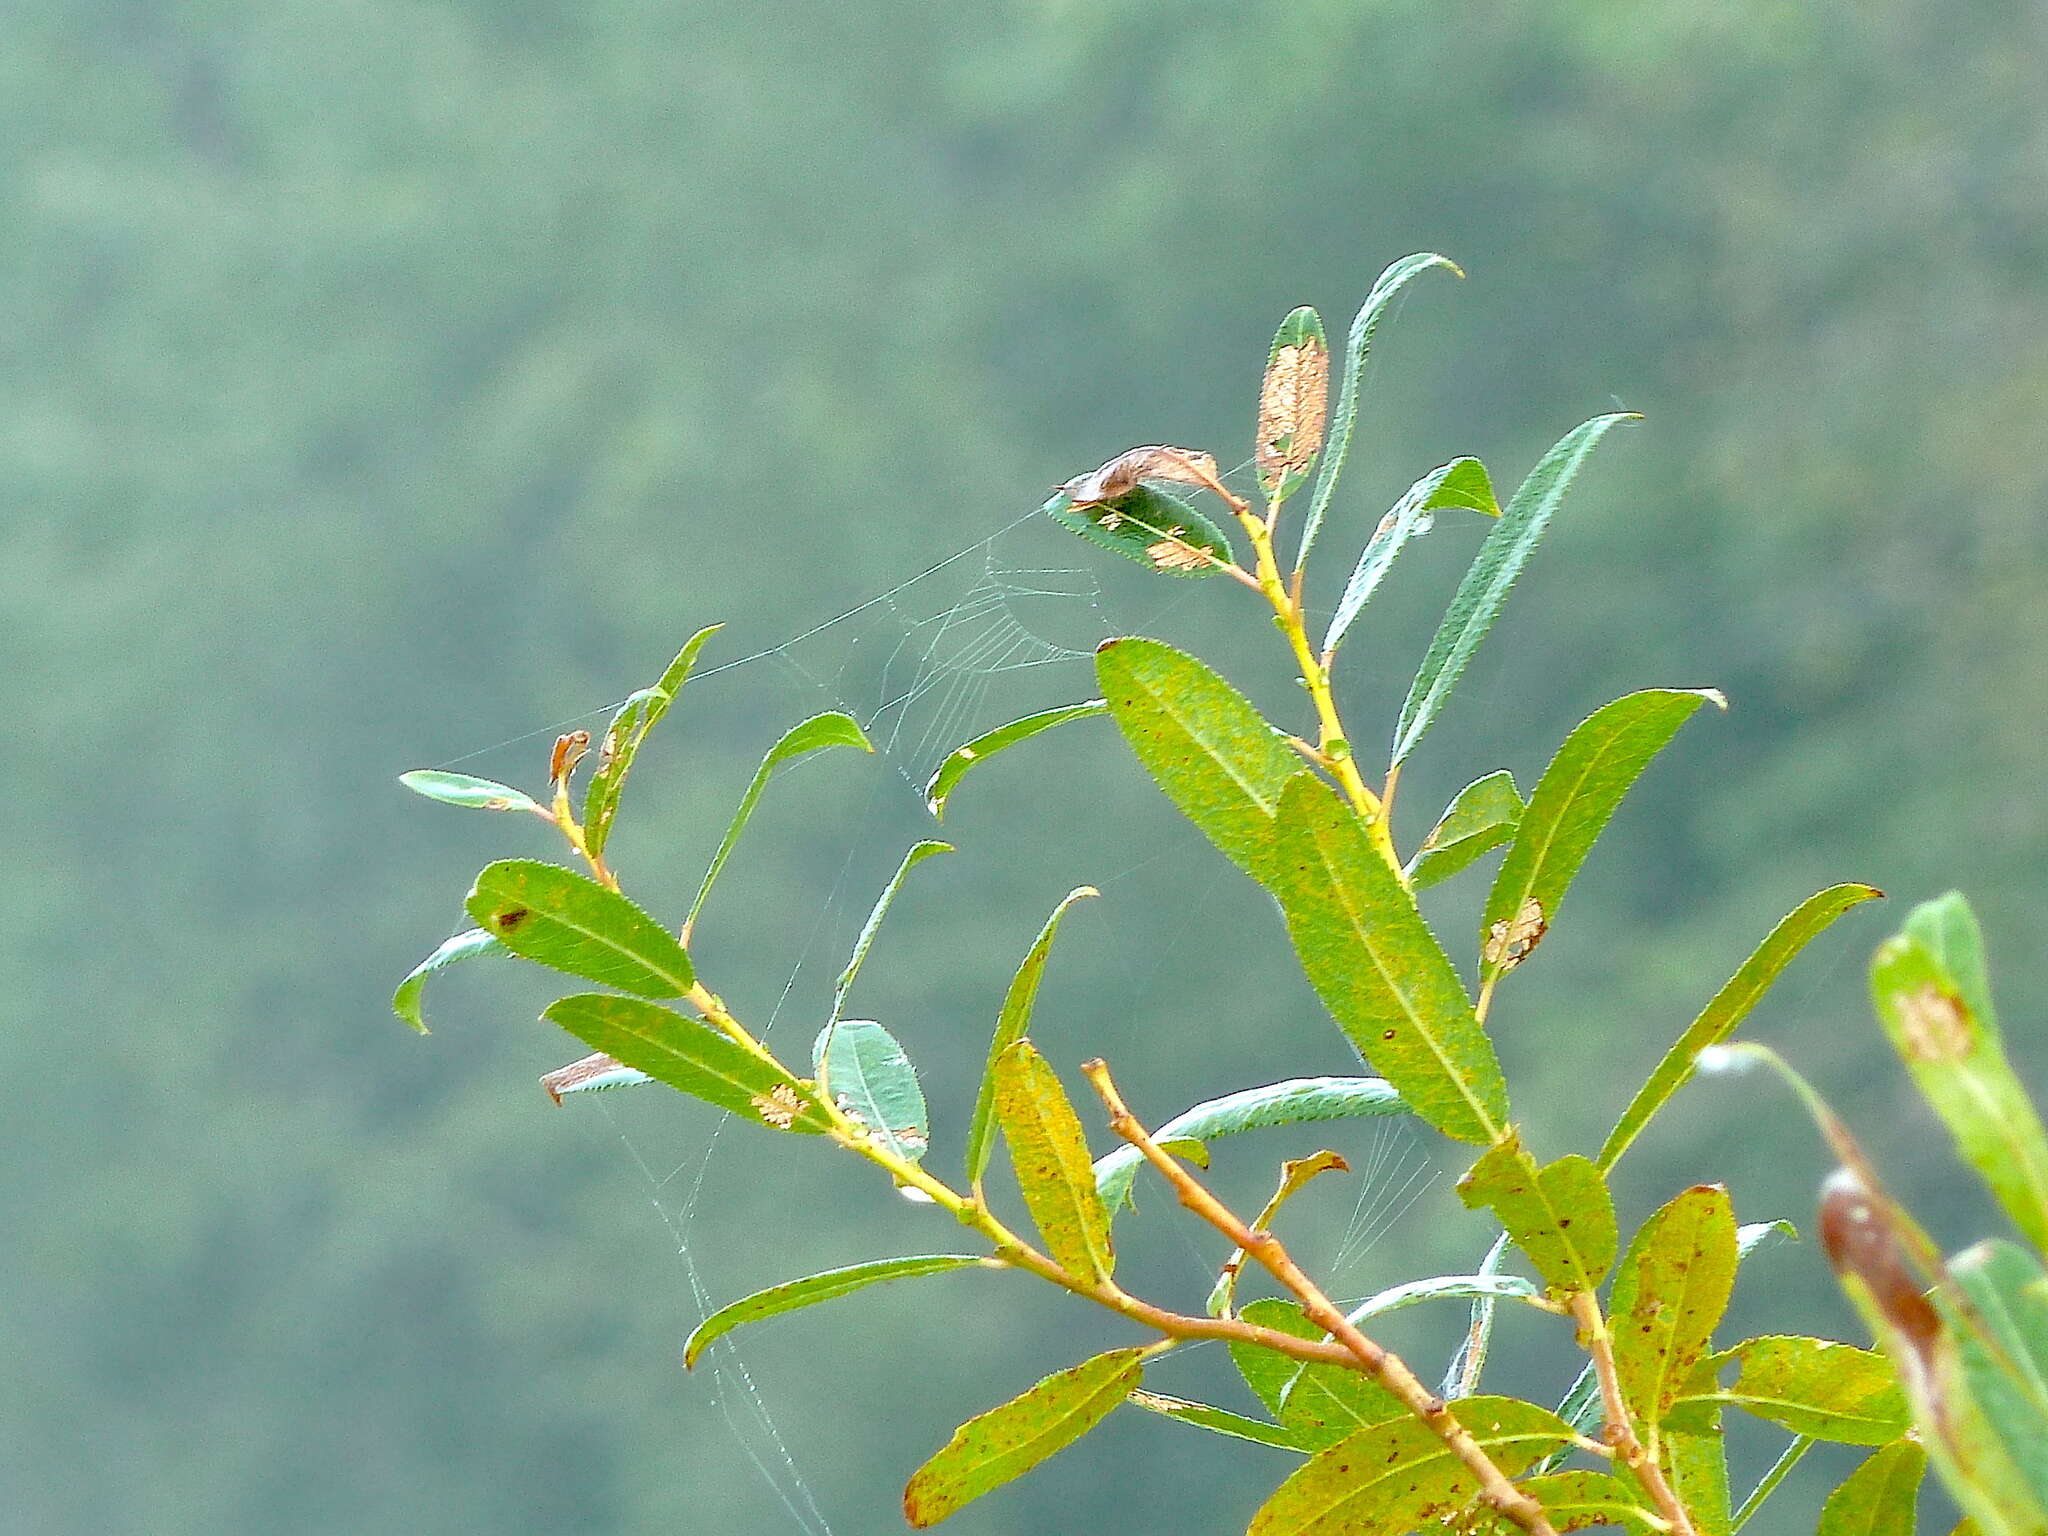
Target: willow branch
[[1621, 1430]]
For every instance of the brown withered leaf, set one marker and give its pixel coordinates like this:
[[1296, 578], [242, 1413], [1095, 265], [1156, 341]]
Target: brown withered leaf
[[1509, 942], [1120, 476], [1294, 402], [563, 1079], [1172, 553]]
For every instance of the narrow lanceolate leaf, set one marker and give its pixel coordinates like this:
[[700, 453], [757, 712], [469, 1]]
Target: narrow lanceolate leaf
[[1011, 1025], [1220, 1421], [1481, 1287], [1730, 1006], [1880, 1497], [1398, 1475], [1669, 1294], [917, 855], [1378, 968], [560, 918], [2003, 1345], [636, 717], [1577, 795], [1929, 987], [1153, 527], [1050, 1154], [406, 1002], [954, 768], [1484, 814], [470, 793], [1461, 1377], [1484, 590], [1575, 1501], [1356, 346], [1753, 1235], [1560, 1216], [690, 1056], [992, 1448], [1294, 400], [1202, 742], [834, 728], [1583, 1409], [830, 1285], [1460, 483], [1814, 1387], [1297, 1101], [873, 1082]]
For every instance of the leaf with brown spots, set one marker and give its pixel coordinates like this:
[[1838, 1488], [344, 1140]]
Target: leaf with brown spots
[[1561, 1216], [1050, 1155], [1669, 1295], [562, 919]]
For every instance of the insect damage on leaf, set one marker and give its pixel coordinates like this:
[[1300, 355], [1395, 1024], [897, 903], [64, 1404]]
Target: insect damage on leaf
[[1173, 553], [1862, 1239], [568, 1079], [1511, 940], [1293, 406], [509, 919], [778, 1106], [1121, 475], [1935, 1026]]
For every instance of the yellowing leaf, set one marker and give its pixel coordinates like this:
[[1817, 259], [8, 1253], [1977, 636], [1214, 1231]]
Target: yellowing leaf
[[1050, 1154]]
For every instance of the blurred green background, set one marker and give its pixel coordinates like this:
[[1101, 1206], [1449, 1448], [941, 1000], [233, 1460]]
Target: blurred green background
[[381, 381]]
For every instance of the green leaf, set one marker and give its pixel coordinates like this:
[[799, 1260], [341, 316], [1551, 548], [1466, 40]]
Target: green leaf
[[1325, 1403], [830, 1285], [1011, 1024], [470, 793], [691, 1056], [1134, 524], [831, 729], [636, 717], [1357, 345], [1561, 1216], [1670, 1292], [1729, 1007], [1879, 1498], [872, 1081], [406, 1001], [2003, 1345], [1050, 1154], [1484, 814], [1574, 1501], [1481, 1287], [1460, 483], [1577, 795], [1378, 968], [1814, 1387], [1697, 1467], [1202, 742], [1297, 1101], [1483, 592], [1398, 1475], [983, 747], [918, 853], [1220, 1421], [1266, 1371], [992, 1448], [1929, 987], [560, 918]]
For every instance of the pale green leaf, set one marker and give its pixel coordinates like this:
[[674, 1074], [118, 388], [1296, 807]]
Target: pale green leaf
[[1050, 1155], [987, 745], [470, 793], [1480, 1287], [1484, 590], [1814, 1387], [2002, 1341], [1881, 1497], [1460, 483], [1378, 968], [1461, 1377], [830, 1285], [918, 853], [1483, 815], [872, 1081], [1006, 1442], [560, 918], [407, 1001]]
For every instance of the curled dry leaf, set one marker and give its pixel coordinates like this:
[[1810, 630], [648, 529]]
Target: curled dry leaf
[[568, 1079], [1510, 941], [1294, 403], [1121, 475]]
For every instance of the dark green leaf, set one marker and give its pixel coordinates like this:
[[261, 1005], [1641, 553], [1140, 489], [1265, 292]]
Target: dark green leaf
[[1203, 743], [1297, 1101], [985, 746], [828, 1286], [1050, 1154], [1881, 1497], [1378, 968], [872, 1081], [1398, 1475], [1357, 345], [831, 729], [1011, 1024], [691, 1056], [1577, 795], [1483, 592], [470, 793], [560, 918], [1484, 815], [1560, 1216], [406, 1001], [1460, 483], [1814, 1387], [917, 855], [1153, 527], [1669, 1294], [1940, 1022], [1220, 1421], [1730, 1006], [992, 1448]]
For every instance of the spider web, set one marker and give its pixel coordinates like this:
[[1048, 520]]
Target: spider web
[[985, 635]]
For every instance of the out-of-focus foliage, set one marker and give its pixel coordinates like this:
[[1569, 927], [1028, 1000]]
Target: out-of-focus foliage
[[381, 381]]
